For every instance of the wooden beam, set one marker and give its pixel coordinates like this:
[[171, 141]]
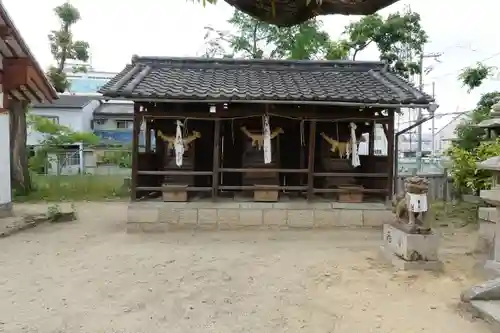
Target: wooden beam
[[5, 31], [371, 139], [135, 151], [390, 154], [216, 160], [15, 73], [310, 163]]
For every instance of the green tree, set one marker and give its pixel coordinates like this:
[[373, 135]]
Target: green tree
[[63, 47], [400, 39], [469, 136], [254, 39], [55, 137], [472, 77]]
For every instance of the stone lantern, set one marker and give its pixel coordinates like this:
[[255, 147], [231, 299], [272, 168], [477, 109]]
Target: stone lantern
[[484, 299], [492, 125], [492, 196]]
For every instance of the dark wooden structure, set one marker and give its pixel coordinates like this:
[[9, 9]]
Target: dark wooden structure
[[287, 13], [310, 106]]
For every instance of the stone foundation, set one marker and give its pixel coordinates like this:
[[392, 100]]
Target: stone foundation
[[6, 210], [410, 251], [487, 217], [156, 216]]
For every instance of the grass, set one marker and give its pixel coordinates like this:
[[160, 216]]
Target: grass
[[459, 213], [76, 188]]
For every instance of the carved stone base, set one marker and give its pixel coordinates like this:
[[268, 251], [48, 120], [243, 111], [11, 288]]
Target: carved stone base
[[174, 193], [404, 265], [265, 195], [411, 251]]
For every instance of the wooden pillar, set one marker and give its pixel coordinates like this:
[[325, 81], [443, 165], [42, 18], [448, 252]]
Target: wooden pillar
[[147, 134], [390, 154], [310, 163], [216, 160], [371, 139], [135, 151]]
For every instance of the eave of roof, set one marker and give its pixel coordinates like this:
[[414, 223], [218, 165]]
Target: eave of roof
[[17, 36], [263, 81]]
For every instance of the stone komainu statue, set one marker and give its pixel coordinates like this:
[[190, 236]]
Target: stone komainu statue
[[411, 209]]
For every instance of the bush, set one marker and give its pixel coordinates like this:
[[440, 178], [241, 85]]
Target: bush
[[467, 178], [76, 187]]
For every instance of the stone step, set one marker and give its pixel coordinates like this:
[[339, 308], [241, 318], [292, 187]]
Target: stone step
[[489, 311]]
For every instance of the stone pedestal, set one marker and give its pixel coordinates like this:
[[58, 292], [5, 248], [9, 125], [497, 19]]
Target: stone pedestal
[[408, 251]]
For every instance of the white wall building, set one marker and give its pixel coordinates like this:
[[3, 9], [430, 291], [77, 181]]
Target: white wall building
[[445, 136], [75, 112]]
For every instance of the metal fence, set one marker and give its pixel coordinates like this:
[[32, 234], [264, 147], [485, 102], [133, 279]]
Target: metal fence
[[440, 185]]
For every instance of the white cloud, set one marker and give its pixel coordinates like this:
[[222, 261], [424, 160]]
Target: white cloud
[[116, 30]]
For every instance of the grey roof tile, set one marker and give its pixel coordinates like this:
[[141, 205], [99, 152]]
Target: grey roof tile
[[115, 108], [251, 80], [67, 102]]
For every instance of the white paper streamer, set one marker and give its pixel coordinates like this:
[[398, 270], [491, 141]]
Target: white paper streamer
[[354, 147], [267, 141], [178, 145]]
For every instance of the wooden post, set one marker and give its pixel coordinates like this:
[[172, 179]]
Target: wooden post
[[390, 154], [135, 151], [310, 165], [147, 135], [216, 160], [371, 139]]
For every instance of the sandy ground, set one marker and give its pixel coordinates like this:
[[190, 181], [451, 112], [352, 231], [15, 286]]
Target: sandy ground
[[89, 276]]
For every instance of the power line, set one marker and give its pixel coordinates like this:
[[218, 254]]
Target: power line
[[456, 72]]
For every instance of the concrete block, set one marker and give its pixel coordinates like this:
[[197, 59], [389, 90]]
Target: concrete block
[[188, 217], [350, 218], [207, 218], [250, 217], [255, 205], [411, 247], [486, 291], [488, 311], [169, 214], [142, 213], [212, 205], [302, 205], [134, 227], [325, 218], [227, 218], [404, 265], [484, 213], [275, 217], [300, 218], [376, 218]]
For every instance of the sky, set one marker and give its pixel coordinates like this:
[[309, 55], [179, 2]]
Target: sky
[[462, 31]]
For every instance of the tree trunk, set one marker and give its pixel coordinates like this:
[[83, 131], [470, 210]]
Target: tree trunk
[[20, 177]]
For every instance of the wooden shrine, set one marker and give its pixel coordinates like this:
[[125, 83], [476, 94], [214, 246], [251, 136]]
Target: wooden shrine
[[230, 103], [336, 157], [265, 182], [175, 185]]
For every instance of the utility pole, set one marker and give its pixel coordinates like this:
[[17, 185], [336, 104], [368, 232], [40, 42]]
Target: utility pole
[[419, 117], [433, 124]]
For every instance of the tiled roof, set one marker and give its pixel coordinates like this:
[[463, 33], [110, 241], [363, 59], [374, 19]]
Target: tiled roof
[[115, 108], [67, 102], [227, 80]]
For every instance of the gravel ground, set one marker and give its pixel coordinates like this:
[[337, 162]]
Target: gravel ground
[[89, 276]]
